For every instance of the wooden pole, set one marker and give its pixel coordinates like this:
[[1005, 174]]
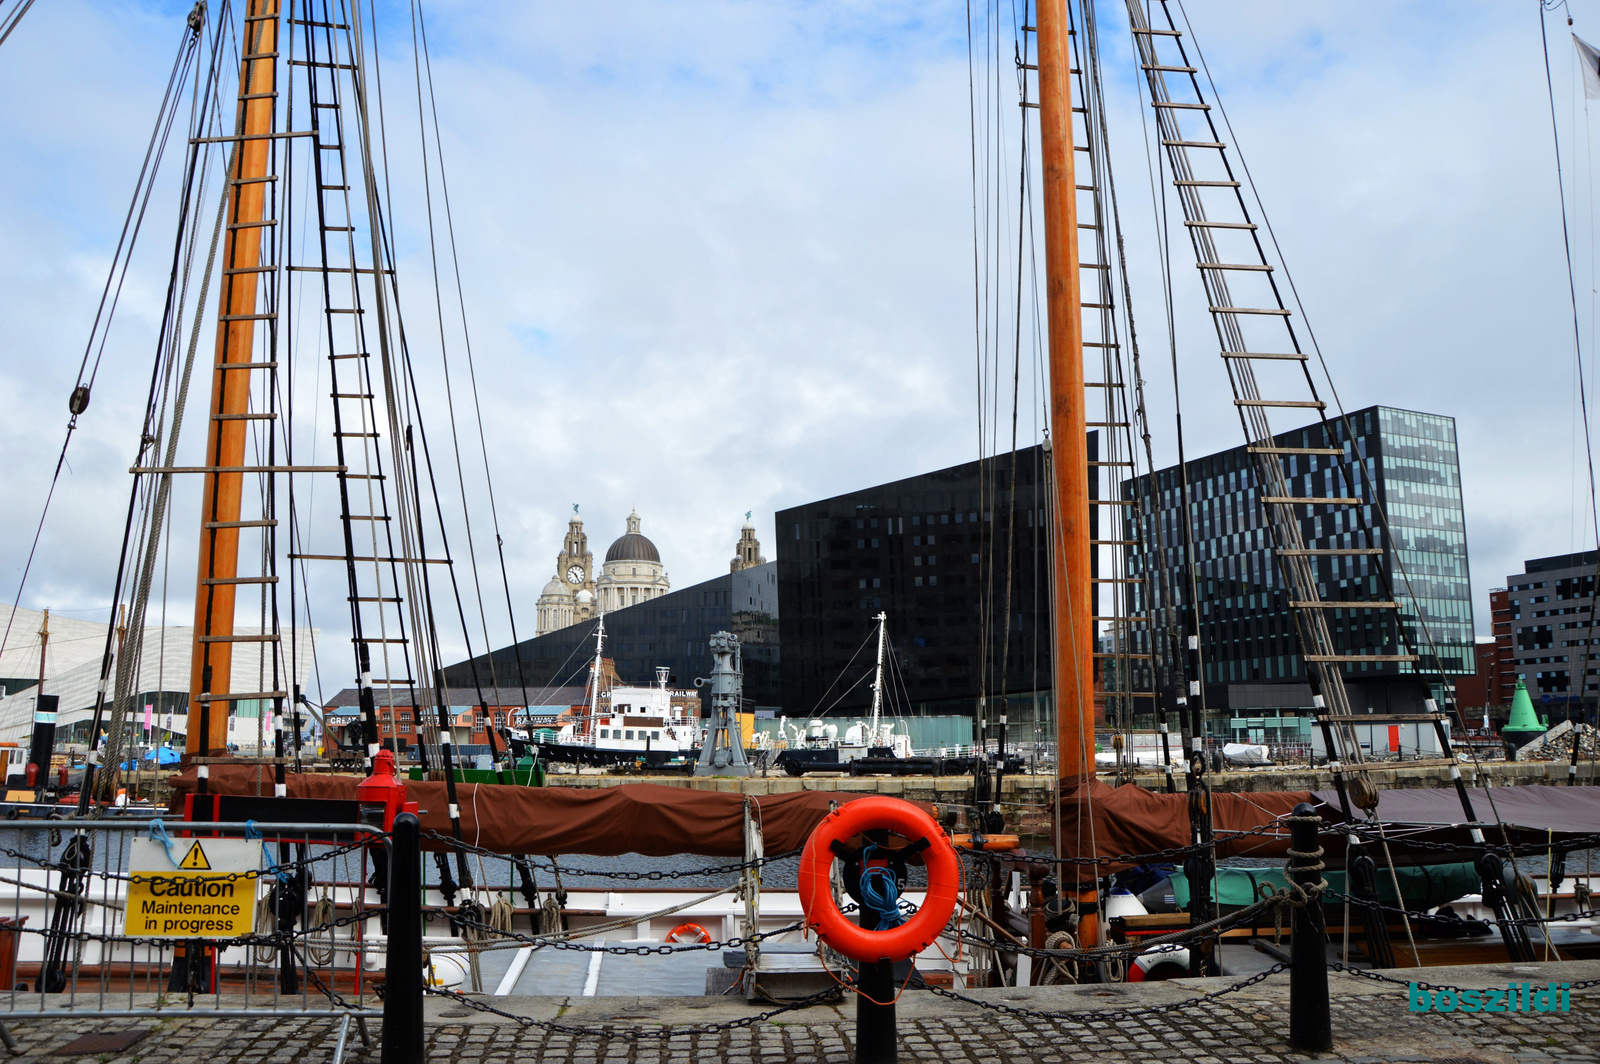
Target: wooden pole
[[212, 668], [1073, 615], [1074, 612]]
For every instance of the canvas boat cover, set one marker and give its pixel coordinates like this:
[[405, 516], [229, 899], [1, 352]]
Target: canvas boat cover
[[642, 818]]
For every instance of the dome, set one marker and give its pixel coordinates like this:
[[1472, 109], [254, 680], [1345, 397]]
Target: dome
[[584, 598], [555, 588], [633, 547]]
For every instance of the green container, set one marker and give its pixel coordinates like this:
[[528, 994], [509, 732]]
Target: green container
[[528, 773]]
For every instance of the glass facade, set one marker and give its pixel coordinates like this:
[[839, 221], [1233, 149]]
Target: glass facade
[[672, 631], [1247, 631], [933, 552]]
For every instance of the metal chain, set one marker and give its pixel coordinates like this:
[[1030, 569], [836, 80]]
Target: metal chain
[[652, 876], [1102, 1014], [665, 949], [634, 1034], [1378, 977]]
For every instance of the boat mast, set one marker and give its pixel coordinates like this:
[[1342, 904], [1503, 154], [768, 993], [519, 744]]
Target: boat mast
[[1073, 614], [212, 669], [594, 671], [877, 681]]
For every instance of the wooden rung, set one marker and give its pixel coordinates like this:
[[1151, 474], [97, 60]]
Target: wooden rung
[[1113, 543], [1247, 266], [1159, 33], [240, 580], [247, 365], [1318, 552], [1116, 579], [1169, 69], [1182, 106], [240, 469], [1340, 658], [1106, 424], [1220, 225], [240, 524], [238, 639], [1110, 463], [1299, 500], [1194, 144], [1294, 450], [1206, 184], [1290, 355], [244, 417], [1312, 404], [229, 696], [1114, 654], [1280, 312], [1347, 604]]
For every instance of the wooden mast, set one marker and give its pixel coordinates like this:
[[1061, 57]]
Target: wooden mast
[[212, 667], [1073, 619]]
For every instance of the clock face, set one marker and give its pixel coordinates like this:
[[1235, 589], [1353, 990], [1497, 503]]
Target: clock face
[[575, 574]]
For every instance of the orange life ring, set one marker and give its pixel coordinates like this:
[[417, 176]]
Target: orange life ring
[[688, 933], [816, 896]]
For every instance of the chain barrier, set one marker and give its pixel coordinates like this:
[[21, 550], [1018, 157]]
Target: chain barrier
[[633, 1034], [504, 939], [1364, 973], [1101, 1014], [652, 876], [1521, 921]]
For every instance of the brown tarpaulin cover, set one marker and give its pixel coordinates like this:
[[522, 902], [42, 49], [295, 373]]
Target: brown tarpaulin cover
[[1106, 821], [598, 821]]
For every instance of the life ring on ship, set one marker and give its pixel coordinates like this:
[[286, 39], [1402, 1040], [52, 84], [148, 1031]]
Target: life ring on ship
[[688, 933], [816, 895]]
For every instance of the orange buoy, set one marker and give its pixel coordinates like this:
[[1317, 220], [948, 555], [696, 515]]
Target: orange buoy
[[688, 933], [816, 896]]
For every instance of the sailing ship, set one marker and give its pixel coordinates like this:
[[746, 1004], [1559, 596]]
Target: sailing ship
[[300, 126]]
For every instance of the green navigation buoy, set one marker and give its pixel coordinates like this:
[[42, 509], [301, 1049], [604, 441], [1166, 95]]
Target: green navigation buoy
[[1524, 724]]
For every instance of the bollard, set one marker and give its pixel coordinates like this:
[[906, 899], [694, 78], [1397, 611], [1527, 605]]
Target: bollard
[[1310, 1029], [402, 996]]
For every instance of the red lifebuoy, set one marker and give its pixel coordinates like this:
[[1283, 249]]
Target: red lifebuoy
[[688, 933], [816, 896]]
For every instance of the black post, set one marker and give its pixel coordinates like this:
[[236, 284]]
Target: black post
[[1310, 1029], [402, 995], [875, 1033]]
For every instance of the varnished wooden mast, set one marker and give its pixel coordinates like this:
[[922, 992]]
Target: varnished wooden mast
[[248, 195], [1074, 610]]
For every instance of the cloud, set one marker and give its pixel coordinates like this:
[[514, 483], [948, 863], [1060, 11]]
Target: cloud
[[718, 257]]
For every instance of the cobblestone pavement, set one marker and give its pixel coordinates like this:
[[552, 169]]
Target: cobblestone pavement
[[1372, 1025]]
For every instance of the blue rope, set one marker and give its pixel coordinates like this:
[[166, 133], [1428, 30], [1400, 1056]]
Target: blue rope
[[880, 892], [251, 831], [158, 833]]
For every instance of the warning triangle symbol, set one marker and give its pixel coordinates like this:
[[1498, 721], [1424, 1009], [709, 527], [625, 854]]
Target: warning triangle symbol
[[195, 859]]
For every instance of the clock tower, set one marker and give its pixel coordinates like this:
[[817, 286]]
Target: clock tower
[[569, 597]]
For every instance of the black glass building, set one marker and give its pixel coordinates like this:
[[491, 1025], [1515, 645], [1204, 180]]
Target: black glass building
[[672, 632], [936, 553], [1251, 654]]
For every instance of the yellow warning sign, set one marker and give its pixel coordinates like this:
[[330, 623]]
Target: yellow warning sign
[[209, 893]]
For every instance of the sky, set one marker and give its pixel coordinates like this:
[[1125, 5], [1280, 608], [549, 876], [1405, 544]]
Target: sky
[[718, 257]]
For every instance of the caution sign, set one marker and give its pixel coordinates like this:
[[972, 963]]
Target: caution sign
[[208, 893]]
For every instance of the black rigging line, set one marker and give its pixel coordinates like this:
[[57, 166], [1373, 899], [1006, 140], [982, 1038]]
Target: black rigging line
[[132, 223], [9, 21], [1583, 391], [472, 373]]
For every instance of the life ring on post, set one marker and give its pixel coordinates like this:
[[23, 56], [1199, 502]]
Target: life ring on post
[[922, 929], [688, 933]]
